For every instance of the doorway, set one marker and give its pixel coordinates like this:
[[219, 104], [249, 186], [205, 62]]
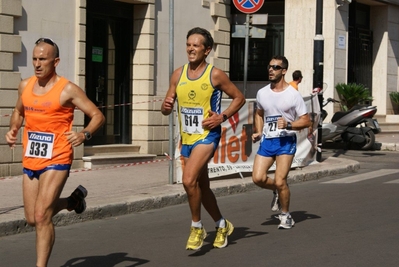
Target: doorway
[[108, 73], [360, 54]]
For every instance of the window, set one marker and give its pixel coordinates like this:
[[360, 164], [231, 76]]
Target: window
[[260, 50]]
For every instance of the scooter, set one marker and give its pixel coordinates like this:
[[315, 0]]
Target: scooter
[[355, 127]]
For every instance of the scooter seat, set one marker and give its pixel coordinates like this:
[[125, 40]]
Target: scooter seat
[[339, 115]]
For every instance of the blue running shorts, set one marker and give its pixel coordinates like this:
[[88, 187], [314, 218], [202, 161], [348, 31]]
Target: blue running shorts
[[35, 174], [211, 138], [270, 147]]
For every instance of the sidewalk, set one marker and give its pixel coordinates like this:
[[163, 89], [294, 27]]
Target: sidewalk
[[122, 190]]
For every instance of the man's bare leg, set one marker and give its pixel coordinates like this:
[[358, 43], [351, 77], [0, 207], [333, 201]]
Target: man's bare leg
[[283, 166], [259, 174], [193, 169], [45, 194], [208, 197]]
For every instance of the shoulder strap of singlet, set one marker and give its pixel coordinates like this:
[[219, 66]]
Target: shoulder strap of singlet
[[183, 74], [61, 83], [31, 82]]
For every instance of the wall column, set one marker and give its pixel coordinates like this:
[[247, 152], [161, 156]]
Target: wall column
[[10, 44]]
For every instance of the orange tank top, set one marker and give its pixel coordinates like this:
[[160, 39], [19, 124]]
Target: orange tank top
[[46, 121]]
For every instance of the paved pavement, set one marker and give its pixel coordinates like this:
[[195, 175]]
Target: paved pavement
[[122, 190]]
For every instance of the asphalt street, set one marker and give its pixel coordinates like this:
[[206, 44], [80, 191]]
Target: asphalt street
[[346, 219]]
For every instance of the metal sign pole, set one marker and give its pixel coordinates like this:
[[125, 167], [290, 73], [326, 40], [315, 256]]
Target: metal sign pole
[[171, 66], [247, 7], [318, 69], [318, 50], [246, 54]]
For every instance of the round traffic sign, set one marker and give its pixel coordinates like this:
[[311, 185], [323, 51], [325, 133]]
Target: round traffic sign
[[248, 6]]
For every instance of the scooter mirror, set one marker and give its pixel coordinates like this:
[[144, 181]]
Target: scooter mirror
[[320, 89]]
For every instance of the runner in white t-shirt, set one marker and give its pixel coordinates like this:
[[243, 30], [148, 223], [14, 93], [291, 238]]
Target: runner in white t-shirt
[[281, 111]]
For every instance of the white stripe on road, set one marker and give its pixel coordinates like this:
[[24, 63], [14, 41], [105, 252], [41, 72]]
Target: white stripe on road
[[363, 176], [392, 182]]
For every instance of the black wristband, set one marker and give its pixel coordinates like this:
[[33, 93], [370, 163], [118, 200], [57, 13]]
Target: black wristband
[[289, 126], [225, 117]]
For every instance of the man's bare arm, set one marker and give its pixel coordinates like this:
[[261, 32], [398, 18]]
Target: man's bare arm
[[168, 103], [17, 117], [258, 125], [221, 81], [75, 96]]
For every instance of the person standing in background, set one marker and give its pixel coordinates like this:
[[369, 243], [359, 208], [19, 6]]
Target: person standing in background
[[296, 79]]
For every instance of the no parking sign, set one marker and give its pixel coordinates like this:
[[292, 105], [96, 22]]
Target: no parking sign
[[248, 6]]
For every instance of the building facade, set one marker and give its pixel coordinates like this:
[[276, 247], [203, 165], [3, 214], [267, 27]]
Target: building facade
[[119, 53]]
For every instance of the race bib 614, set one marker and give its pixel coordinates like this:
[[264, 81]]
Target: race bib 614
[[191, 119]]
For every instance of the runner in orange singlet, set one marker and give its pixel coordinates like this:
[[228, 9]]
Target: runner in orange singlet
[[46, 102]]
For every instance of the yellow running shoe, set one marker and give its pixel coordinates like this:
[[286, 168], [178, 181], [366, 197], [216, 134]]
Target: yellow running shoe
[[196, 238], [221, 235]]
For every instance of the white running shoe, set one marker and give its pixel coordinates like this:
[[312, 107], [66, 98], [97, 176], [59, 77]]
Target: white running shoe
[[275, 205], [286, 221]]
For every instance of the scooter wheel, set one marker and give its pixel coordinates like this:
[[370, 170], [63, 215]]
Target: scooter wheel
[[368, 144]]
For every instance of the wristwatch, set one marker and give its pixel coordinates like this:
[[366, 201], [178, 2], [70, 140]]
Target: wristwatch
[[225, 117], [87, 135], [289, 126]]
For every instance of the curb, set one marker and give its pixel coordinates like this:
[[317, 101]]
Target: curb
[[389, 147]]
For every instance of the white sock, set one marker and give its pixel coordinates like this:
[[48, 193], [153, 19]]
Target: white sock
[[196, 224], [221, 223]]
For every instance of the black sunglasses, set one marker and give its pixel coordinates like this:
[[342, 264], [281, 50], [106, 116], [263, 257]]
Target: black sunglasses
[[274, 67], [50, 42]]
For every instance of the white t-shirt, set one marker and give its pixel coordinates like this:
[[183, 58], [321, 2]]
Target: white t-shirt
[[288, 104]]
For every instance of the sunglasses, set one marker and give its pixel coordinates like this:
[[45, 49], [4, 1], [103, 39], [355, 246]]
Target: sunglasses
[[50, 42], [46, 40], [274, 67]]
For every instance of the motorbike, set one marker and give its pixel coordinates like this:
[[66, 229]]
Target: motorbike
[[355, 127]]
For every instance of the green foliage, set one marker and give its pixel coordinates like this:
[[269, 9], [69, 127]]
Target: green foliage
[[352, 94], [394, 97]]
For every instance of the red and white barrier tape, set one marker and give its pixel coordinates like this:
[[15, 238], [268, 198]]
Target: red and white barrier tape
[[128, 104], [109, 106]]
